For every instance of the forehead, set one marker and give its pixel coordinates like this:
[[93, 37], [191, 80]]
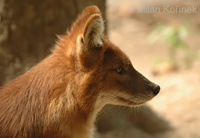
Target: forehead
[[114, 55]]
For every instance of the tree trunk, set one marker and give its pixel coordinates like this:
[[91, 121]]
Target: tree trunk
[[28, 30]]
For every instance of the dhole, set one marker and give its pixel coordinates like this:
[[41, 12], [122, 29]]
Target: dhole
[[61, 96]]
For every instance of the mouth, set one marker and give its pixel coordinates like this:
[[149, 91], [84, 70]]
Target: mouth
[[129, 102]]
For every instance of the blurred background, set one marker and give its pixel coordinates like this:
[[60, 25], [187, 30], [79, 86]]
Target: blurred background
[[161, 37]]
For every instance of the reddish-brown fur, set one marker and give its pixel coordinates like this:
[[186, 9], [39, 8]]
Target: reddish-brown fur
[[61, 96]]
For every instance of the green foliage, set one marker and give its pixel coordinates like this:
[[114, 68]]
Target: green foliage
[[175, 37]]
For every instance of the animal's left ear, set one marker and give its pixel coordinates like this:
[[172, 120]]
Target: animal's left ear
[[89, 41], [92, 32]]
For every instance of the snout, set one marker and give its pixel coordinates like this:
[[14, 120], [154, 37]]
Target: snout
[[155, 89], [149, 85]]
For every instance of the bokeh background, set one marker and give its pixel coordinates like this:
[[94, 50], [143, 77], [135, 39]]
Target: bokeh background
[[163, 46]]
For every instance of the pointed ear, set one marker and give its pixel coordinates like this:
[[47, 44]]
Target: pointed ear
[[93, 30], [89, 41], [92, 33]]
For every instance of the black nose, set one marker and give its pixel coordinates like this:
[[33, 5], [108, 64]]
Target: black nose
[[156, 89]]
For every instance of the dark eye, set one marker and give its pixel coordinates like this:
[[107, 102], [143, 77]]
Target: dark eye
[[119, 70]]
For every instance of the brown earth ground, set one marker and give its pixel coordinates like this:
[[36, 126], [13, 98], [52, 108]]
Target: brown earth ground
[[177, 107]]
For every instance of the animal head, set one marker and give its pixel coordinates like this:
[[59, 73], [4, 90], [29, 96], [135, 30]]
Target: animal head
[[106, 74]]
